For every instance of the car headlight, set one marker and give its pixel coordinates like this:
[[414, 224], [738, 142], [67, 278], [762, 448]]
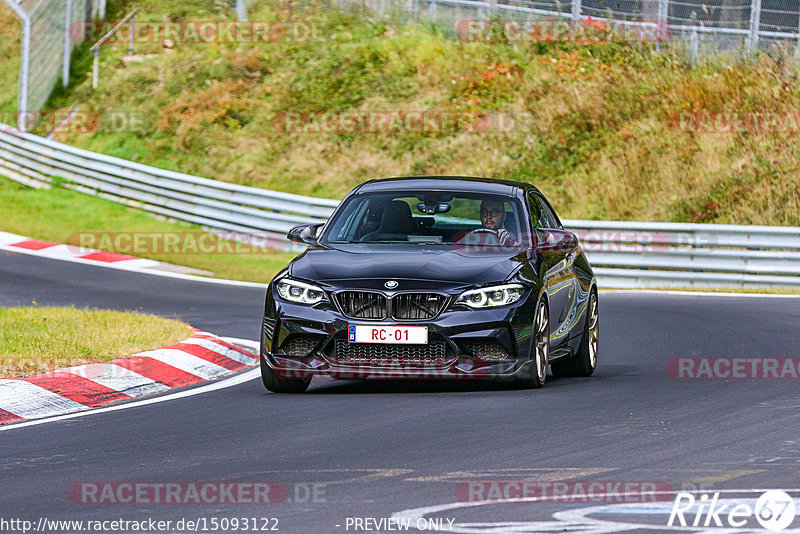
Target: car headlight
[[489, 297], [300, 292]]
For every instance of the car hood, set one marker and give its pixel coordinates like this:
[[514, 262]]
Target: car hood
[[433, 263]]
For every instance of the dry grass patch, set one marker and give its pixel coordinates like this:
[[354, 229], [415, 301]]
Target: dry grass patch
[[37, 339]]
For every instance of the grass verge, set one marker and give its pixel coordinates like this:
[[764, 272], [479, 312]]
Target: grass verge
[[60, 215], [37, 339]]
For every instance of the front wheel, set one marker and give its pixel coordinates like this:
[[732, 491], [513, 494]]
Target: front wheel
[[278, 384], [540, 352], [585, 360]]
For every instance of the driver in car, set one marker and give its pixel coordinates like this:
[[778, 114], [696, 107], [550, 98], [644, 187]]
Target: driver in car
[[493, 218]]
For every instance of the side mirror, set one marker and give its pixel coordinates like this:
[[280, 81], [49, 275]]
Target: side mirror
[[304, 233], [552, 240]]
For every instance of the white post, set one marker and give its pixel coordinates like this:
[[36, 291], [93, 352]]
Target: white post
[[662, 22], [755, 22], [241, 11], [693, 43], [24, 67], [492, 8], [95, 67], [67, 44], [102, 9], [24, 75], [576, 10], [432, 10], [130, 37], [797, 50]]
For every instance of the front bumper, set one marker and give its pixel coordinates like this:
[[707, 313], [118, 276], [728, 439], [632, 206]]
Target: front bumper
[[301, 341]]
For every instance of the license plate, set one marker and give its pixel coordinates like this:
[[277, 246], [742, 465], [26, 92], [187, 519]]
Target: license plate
[[395, 335]]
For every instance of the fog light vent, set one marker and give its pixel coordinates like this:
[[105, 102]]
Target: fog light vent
[[485, 349], [300, 344]]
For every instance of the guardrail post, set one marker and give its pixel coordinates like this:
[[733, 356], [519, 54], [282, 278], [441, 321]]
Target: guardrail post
[[755, 22], [693, 45], [492, 8], [432, 9]]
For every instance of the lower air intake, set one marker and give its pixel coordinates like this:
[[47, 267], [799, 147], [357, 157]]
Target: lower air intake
[[383, 355]]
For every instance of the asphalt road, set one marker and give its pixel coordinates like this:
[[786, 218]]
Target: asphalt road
[[373, 449]]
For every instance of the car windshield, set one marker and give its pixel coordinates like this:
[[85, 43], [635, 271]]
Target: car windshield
[[429, 217]]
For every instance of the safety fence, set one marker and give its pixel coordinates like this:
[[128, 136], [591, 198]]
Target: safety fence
[[624, 254], [699, 26], [45, 47]]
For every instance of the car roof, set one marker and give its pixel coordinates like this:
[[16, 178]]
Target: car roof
[[467, 184]]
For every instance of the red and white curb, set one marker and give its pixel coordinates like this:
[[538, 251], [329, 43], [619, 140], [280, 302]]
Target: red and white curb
[[200, 358], [55, 250], [25, 245]]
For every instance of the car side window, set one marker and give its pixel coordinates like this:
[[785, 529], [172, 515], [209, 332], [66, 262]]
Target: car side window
[[548, 216], [541, 215], [534, 210]]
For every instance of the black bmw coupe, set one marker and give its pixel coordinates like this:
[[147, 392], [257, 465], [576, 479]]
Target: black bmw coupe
[[433, 277]]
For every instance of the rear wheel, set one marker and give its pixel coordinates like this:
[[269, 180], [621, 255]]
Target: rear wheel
[[278, 384], [585, 361], [540, 353]]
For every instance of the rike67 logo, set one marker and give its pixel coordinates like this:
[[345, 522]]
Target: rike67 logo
[[773, 510]]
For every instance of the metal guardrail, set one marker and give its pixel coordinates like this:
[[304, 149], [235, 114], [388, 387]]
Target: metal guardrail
[[34, 161], [624, 254], [640, 254]]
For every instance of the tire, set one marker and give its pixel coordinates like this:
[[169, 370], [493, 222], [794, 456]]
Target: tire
[[536, 375], [275, 383], [584, 362]]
